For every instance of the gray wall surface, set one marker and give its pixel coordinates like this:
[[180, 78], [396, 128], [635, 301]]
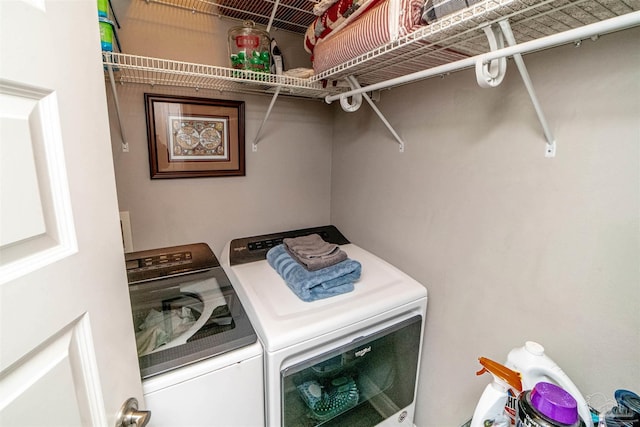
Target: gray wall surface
[[287, 182], [511, 246]]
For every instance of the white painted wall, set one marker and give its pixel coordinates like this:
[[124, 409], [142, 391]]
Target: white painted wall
[[287, 182], [511, 246]]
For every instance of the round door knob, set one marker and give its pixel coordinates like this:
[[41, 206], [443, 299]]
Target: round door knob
[[129, 416]]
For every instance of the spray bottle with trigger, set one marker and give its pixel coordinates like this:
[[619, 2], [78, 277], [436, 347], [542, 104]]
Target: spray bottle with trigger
[[493, 408]]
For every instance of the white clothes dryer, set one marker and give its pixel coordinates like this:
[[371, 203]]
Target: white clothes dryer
[[347, 360], [200, 361]]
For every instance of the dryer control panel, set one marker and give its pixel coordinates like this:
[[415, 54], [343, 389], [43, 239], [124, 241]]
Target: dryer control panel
[[250, 249]]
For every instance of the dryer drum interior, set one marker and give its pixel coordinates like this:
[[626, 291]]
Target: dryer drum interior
[[359, 384]]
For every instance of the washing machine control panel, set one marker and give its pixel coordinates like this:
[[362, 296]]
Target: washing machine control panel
[[155, 262], [158, 263]]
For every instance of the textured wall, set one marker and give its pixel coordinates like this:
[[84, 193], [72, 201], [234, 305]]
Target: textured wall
[[287, 182], [511, 246]]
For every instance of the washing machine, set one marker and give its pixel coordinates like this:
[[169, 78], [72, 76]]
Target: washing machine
[[200, 360], [347, 360]]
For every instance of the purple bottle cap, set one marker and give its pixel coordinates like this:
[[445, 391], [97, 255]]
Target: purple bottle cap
[[554, 403]]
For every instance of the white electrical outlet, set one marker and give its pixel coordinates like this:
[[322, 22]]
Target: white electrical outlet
[[125, 228]]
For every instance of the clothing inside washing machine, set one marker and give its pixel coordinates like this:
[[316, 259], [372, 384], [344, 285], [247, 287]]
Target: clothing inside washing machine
[[184, 308], [164, 318], [173, 315]]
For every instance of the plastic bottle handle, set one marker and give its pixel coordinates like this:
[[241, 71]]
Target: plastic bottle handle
[[557, 374]]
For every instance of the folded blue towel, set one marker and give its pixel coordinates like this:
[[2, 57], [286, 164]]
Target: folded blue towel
[[313, 285]]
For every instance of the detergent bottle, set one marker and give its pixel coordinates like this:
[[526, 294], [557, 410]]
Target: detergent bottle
[[534, 366], [493, 408]]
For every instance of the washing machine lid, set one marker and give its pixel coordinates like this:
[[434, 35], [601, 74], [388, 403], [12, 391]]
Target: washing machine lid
[[282, 319], [184, 308]]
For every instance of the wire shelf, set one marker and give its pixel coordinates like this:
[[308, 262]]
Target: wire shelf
[[450, 39], [155, 71], [459, 35]]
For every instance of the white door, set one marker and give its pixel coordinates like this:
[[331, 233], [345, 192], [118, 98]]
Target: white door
[[67, 349]]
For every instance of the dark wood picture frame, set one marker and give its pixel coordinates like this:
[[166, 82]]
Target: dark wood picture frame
[[193, 137]]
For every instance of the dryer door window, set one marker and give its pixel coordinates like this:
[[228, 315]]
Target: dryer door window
[[361, 384]]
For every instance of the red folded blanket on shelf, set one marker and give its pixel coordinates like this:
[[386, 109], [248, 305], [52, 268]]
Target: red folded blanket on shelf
[[336, 16], [384, 21]]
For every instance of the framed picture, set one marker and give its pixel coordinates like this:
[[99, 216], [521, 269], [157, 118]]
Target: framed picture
[[194, 137]]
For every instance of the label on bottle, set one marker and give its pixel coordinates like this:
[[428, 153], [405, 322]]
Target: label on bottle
[[510, 407], [248, 41]]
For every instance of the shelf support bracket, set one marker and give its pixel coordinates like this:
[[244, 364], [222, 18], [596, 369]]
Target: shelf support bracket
[[273, 15], [492, 73], [621, 22], [266, 117], [355, 103], [125, 144], [550, 148], [254, 146]]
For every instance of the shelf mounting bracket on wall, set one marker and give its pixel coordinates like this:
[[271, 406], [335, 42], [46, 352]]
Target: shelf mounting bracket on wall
[[356, 101], [490, 74], [266, 117], [550, 149], [125, 144], [254, 146]]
